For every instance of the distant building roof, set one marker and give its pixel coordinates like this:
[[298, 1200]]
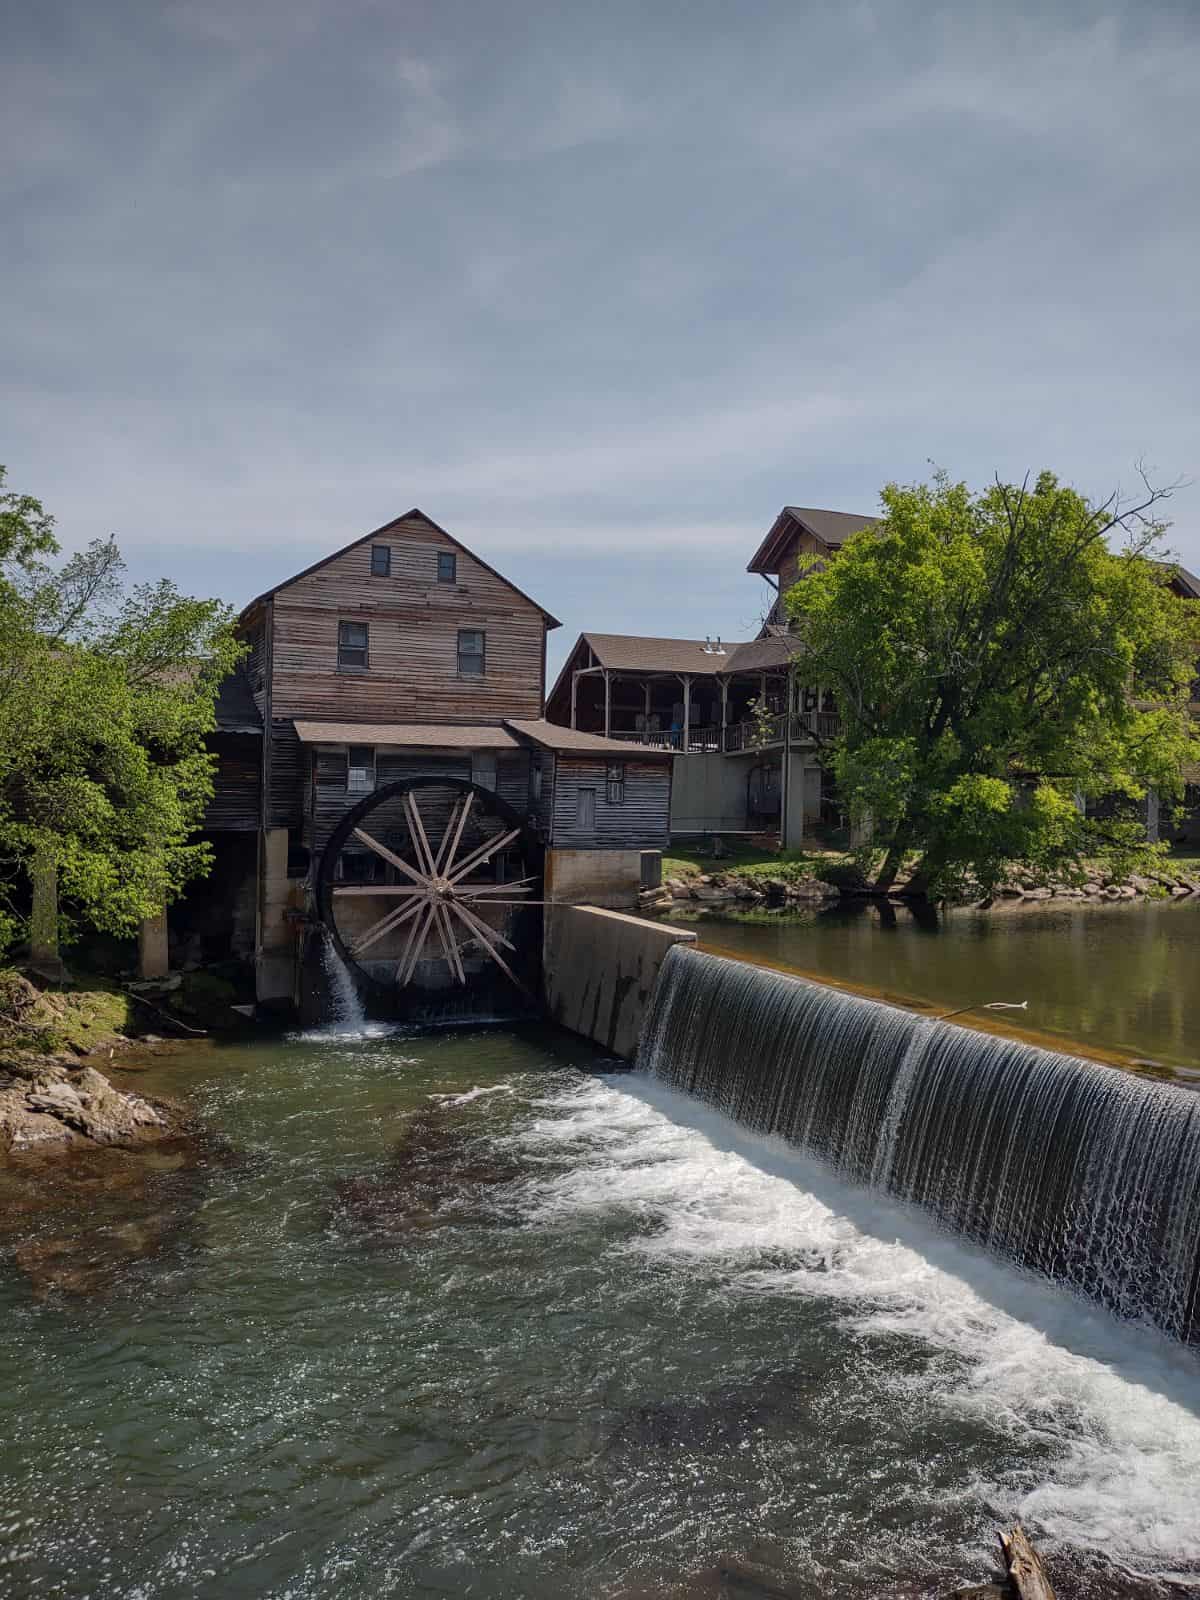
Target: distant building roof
[[234, 707], [569, 741], [760, 655], [408, 735], [832, 528], [1186, 580], [628, 652]]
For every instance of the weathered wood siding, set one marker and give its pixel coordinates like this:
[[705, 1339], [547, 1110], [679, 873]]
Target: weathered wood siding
[[641, 821], [331, 799], [254, 631], [542, 808], [285, 769], [412, 672], [234, 807]]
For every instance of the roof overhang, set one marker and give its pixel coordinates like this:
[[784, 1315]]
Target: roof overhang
[[408, 735]]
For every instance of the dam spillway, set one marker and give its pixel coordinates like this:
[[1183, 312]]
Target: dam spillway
[[1086, 1174]]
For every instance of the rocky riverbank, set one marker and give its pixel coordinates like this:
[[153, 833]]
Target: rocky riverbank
[[736, 890]]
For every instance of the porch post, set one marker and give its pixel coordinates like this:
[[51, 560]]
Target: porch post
[[724, 709], [574, 695], [607, 704], [687, 711]]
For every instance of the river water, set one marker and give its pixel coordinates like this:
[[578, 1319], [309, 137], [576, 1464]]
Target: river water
[[1122, 977], [611, 1345]]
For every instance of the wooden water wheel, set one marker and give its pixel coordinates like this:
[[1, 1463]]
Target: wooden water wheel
[[427, 882]]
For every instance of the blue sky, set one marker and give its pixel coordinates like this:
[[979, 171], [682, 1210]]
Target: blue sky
[[600, 288]]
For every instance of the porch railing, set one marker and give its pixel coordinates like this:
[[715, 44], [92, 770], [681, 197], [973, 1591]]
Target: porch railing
[[739, 736]]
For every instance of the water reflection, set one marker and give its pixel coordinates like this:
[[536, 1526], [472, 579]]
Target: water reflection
[[1120, 977]]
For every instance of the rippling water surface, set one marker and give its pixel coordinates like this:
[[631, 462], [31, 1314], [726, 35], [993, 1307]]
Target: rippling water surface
[[608, 1345]]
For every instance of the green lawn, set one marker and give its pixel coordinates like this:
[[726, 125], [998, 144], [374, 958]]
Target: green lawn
[[746, 861]]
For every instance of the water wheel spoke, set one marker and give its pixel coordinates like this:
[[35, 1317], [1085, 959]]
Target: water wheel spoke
[[454, 834], [484, 853], [416, 826], [492, 951], [449, 942], [392, 890], [391, 857], [377, 930], [477, 891], [415, 945], [483, 930]]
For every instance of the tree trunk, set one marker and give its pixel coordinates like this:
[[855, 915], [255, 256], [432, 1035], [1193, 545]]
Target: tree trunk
[[894, 860]]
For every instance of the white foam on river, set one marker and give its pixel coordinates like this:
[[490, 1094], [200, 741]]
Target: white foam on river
[[1110, 1413]]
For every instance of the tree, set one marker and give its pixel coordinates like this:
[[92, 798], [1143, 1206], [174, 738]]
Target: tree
[[106, 694], [995, 660]]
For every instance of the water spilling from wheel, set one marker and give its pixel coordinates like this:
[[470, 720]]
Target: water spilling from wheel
[[1085, 1174]]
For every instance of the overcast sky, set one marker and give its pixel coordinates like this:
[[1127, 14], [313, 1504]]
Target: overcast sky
[[598, 286]]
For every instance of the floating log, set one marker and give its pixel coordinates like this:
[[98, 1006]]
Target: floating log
[[1026, 1573]]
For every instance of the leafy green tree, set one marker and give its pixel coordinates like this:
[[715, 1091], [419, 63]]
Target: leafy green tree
[[106, 694], [995, 661]]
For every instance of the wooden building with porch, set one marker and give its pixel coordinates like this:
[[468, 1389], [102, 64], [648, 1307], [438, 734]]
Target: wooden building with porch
[[746, 725]]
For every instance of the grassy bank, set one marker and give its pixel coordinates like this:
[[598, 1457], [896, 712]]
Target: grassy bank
[[74, 1019]]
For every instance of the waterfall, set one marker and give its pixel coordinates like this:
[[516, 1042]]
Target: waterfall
[[347, 1014], [1084, 1173]]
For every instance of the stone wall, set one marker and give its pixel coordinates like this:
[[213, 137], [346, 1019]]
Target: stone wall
[[599, 971]]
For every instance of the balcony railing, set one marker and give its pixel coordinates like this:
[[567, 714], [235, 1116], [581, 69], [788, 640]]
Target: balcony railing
[[739, 736]]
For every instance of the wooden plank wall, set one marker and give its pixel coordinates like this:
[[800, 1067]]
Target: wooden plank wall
[[285, 766], [414, 622], [543, 809], [234, 807], [641, 822]]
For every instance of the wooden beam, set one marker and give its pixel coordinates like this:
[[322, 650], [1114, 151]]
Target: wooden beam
[[484, 853], [607, 704], [390, 856]]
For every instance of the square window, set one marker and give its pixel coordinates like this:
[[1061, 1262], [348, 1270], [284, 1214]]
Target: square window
[[353, 639], [447, 566], [381, 560], [472, 649], [360, 769]]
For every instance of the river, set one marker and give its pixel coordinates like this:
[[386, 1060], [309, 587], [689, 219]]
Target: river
[[614, 1345], [1122, 977]]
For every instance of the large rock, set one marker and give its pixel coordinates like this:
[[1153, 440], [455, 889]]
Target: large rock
[[58, 1106]]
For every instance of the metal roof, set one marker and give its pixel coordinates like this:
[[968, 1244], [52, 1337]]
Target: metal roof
[[408, 735], [570, 741]]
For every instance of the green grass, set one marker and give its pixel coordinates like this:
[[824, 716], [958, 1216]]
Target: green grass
[[754, 864]]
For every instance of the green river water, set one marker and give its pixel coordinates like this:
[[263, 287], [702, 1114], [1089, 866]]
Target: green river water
[[586, 1339]]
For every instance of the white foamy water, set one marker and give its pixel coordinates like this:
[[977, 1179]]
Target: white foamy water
[[1107, 1415]]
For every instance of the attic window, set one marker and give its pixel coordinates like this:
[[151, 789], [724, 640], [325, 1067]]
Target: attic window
[[381, 560], [447, 566]]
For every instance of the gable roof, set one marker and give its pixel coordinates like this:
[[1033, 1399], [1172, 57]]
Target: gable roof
[[1188, 583], [570, 741], [831, 528], [408, 516]]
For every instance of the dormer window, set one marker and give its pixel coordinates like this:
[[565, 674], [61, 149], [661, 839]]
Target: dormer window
[[447, 566], [381, 560]]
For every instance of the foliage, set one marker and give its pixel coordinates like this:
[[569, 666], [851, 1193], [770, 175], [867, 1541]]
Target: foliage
[[762, 724], [106, 694], [994, 658]]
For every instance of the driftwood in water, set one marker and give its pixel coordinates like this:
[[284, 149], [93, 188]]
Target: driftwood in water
[[1026, 1573], [1026, 1578]]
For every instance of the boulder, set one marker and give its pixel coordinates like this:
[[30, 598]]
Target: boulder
[[61, 1107]]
